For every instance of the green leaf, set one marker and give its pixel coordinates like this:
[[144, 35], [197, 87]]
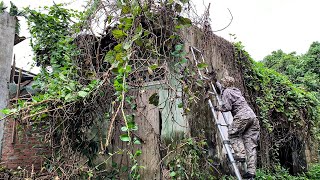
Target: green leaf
[[109, 19], [153, 66], [137, 141], [178, 8], [110, 56], [125, 10], [118, 47], [154, 99], [82, 93], [138, 32], [172, 37], [184, 60], [124, 129], [128, 69], [184, 21], [138, 153], [90, 174], [13, 11], [127, 45], [257, 88], [127, 22], [62, 77], [184, 1], [2, 7], [118, 33], [132, 126], [125, 138], [178, 27], [5, 111], [69, 97], [139, 42], [179, 47], [172, 174], [136, 10], [202, 65], [180, 105]]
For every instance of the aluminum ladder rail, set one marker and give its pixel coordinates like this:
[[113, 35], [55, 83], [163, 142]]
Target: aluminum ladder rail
[[225, 141]]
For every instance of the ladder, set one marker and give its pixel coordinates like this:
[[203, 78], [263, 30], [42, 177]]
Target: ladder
[[225, 141]]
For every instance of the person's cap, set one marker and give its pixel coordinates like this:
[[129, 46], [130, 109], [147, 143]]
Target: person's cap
[[227, 81]]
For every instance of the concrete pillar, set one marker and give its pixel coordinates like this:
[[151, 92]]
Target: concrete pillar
[[7, 32]]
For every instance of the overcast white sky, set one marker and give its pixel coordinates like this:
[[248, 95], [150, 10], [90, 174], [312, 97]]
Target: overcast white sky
[[262, 25]]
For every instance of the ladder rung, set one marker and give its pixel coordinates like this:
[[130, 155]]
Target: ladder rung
[[219, 124], [226, 142], [210, 92], [204, 77]]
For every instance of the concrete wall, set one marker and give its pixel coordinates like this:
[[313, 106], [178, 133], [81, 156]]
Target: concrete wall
[[148, 121], [219, 55], [7, 32]]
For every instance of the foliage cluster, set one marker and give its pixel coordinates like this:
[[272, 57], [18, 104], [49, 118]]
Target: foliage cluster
[[189, 160], [84, 85], [276, 95], [285, 110], [302, 70], [282, 173]]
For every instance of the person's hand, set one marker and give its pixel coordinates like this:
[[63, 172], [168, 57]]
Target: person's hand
[[211, 76], [217, 108]]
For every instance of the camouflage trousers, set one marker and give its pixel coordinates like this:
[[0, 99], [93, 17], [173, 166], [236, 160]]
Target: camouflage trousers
[[243, 135]]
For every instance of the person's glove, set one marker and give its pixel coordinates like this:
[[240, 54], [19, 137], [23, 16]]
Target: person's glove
[[219, 87], [212, 76], [217, 108]]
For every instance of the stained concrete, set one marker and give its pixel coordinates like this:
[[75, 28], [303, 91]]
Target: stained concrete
[[7, 32]]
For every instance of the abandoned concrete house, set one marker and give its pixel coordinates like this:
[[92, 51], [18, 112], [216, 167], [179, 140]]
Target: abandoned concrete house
[[165, 122]]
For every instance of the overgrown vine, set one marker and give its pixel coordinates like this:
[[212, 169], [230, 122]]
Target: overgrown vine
[[288, 113], [90, 61]]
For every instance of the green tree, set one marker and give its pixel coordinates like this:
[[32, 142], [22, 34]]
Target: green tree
[[302, 70]]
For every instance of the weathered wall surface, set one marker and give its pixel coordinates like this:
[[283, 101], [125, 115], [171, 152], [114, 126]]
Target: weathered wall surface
[[148, 121], [7, 32], [219, 55]]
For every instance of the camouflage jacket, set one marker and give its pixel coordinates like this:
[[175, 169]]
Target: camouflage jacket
[[232, 100]]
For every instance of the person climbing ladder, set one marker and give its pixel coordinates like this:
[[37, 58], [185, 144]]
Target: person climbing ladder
[[245, 129]]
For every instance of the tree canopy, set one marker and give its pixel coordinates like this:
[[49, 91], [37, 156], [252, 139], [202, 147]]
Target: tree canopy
[[303, 70]]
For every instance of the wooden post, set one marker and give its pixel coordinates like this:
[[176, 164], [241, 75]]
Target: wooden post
[[13, 69], [17, 97]]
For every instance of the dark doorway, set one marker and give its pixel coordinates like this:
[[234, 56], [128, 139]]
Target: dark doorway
[[285, 157], [292, 156]]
